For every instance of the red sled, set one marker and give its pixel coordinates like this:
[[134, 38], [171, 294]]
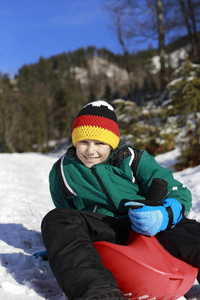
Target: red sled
[[145, 270]]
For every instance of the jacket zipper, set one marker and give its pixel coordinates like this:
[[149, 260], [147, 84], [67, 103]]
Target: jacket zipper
[[103, 187]]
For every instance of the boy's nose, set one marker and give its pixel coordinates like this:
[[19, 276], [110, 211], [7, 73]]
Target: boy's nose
[[91, 149]]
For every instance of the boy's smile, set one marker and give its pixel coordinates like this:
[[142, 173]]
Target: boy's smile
[[92, 152]]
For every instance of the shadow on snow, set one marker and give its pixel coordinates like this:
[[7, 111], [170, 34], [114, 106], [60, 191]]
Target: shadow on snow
[[23, 266]]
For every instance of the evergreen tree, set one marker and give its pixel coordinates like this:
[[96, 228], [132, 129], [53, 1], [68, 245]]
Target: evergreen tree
[[142, 128], [185, 104]]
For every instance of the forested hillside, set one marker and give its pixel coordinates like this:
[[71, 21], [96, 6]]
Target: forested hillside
[[38, 106]]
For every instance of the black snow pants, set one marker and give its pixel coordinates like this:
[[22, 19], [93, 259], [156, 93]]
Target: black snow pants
[[69, 235]]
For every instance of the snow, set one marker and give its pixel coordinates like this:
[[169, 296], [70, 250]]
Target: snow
[[25, 199], [173, 59]]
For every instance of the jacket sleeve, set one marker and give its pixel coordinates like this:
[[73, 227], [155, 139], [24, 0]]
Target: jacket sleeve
[[148, 169], [59, 200]]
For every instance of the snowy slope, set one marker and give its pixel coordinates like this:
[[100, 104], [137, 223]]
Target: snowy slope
[[24, 200]]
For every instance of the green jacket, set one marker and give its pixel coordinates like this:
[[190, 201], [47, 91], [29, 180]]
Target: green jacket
[[126, 175]]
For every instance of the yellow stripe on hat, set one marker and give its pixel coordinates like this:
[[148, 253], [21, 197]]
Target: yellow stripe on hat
[[95, 133]]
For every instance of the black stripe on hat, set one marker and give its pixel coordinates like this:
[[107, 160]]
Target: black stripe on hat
[[102, 111]]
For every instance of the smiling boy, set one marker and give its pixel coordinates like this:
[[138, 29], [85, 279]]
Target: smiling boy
[[92, 152], [90, 186]]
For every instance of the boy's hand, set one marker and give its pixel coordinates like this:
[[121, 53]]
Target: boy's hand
[[149, 220]]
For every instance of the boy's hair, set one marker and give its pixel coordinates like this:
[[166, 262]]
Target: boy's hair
[[96, 121]]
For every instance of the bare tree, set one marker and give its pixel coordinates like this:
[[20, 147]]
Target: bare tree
[[194, 27], [138, 21], [182, 17], [161, 44]]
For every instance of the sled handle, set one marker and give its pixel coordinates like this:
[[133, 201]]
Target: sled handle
[[156, 192]]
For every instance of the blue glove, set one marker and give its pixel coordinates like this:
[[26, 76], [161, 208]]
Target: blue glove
[[42, 254], [149, 220], [176, 208]]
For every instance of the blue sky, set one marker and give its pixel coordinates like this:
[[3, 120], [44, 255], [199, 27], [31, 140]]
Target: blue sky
[[30, 29]]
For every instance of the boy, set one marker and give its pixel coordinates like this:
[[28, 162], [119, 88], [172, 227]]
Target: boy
[[92, 186]]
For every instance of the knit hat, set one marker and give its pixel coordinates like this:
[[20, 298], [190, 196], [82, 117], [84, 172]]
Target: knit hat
[[96, 121]]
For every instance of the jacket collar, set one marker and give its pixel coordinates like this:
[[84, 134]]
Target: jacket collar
[[116, 156]]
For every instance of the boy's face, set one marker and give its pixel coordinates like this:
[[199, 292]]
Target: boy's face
[[92, 152]]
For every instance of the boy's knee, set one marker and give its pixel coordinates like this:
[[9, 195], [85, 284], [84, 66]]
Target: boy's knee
[[51, 217], [59, 216]]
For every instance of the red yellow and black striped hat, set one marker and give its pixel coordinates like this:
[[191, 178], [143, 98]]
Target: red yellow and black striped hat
[[96, 121]]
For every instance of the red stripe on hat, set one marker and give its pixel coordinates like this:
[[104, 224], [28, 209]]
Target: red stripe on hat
[[97, 121]]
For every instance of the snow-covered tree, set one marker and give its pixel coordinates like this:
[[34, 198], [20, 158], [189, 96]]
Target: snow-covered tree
[[142, 126], [185, 104]]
